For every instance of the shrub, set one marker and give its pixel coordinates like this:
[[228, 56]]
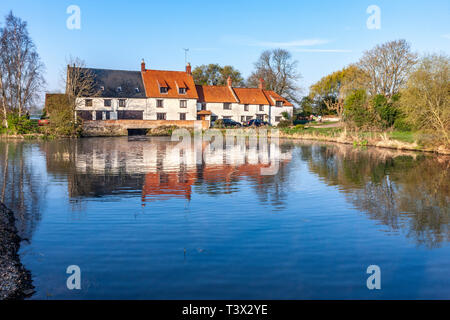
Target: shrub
[[402, 125], [61, 114], [219, 124], [386, 110], [299, 127], [284, 124], [357, 110], [286, 115], [20, 124]]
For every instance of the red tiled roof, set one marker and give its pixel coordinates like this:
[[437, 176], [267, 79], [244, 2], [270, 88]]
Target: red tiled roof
[[273, 97], [215, 94], [251, 96], [153, 79]]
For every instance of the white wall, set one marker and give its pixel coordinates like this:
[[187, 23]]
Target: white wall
[[171, 107], [237, 110], [277, 112]]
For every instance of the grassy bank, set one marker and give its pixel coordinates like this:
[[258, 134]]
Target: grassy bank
[[403, 140]]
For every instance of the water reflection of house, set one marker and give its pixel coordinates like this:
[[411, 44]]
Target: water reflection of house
[[164, 185], [165, 169]]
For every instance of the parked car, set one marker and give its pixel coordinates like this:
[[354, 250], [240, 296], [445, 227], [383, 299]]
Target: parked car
[[255, 123], [230, 123], [43, 121]]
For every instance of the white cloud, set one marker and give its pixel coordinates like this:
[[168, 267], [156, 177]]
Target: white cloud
[[322, 50], [293, 43], [204, 49], [446, 36]]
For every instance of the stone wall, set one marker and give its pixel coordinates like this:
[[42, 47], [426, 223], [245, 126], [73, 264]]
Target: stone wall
[[111, 128]]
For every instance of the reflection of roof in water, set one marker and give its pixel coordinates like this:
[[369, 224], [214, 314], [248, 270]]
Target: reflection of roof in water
[[162, 185], [178, 184]]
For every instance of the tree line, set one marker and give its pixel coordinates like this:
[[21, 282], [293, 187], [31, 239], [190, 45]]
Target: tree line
[[390, 87]]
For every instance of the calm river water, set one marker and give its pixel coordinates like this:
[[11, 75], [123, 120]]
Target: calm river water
[[143, 220]]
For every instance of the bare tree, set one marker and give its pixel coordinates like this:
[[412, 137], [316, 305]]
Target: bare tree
[[80, 82], [426, 100], [3, 101], [387, 67], [279, 73], [20, 66]]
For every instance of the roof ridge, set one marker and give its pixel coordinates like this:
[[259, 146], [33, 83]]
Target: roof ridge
[[234, 94], [167, 71], [121, 70]]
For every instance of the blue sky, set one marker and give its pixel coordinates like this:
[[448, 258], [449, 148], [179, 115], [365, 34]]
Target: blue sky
[[323, 36]]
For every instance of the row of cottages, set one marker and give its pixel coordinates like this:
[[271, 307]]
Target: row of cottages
[[173, 95]]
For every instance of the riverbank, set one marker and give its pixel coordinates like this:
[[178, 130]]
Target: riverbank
[[411, 141], [391, 140], [15, 280]]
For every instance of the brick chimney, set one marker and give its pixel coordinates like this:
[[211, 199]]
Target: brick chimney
[[261, 83], [229, 82], [143, 65], [188, 69]]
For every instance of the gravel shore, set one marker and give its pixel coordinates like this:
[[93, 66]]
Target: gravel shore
[[15, 280]]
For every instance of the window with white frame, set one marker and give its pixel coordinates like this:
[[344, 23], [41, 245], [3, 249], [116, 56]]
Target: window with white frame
[[279, 104], [163, 89], [245, 107], [160, 116], [88, 102], [227, 106], [261, 107], [183, 103], [182, 116], [122, 103], [160, 103]]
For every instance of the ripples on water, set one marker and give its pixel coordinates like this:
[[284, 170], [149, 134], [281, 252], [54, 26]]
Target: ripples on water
[[144, 219]]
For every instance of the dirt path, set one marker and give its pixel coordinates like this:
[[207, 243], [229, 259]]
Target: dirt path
[[328, 125]]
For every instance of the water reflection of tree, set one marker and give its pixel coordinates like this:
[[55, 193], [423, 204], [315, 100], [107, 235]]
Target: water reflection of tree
[[406, 192], [61, 161], [21, 188]]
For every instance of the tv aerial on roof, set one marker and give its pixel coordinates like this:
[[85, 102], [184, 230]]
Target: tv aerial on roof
[[186, 50]]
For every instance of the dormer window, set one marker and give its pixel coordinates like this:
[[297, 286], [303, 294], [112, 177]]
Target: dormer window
[[163, 89], [279, 104], [136, 90], [182, 90], [119, 89], [102, 88]]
